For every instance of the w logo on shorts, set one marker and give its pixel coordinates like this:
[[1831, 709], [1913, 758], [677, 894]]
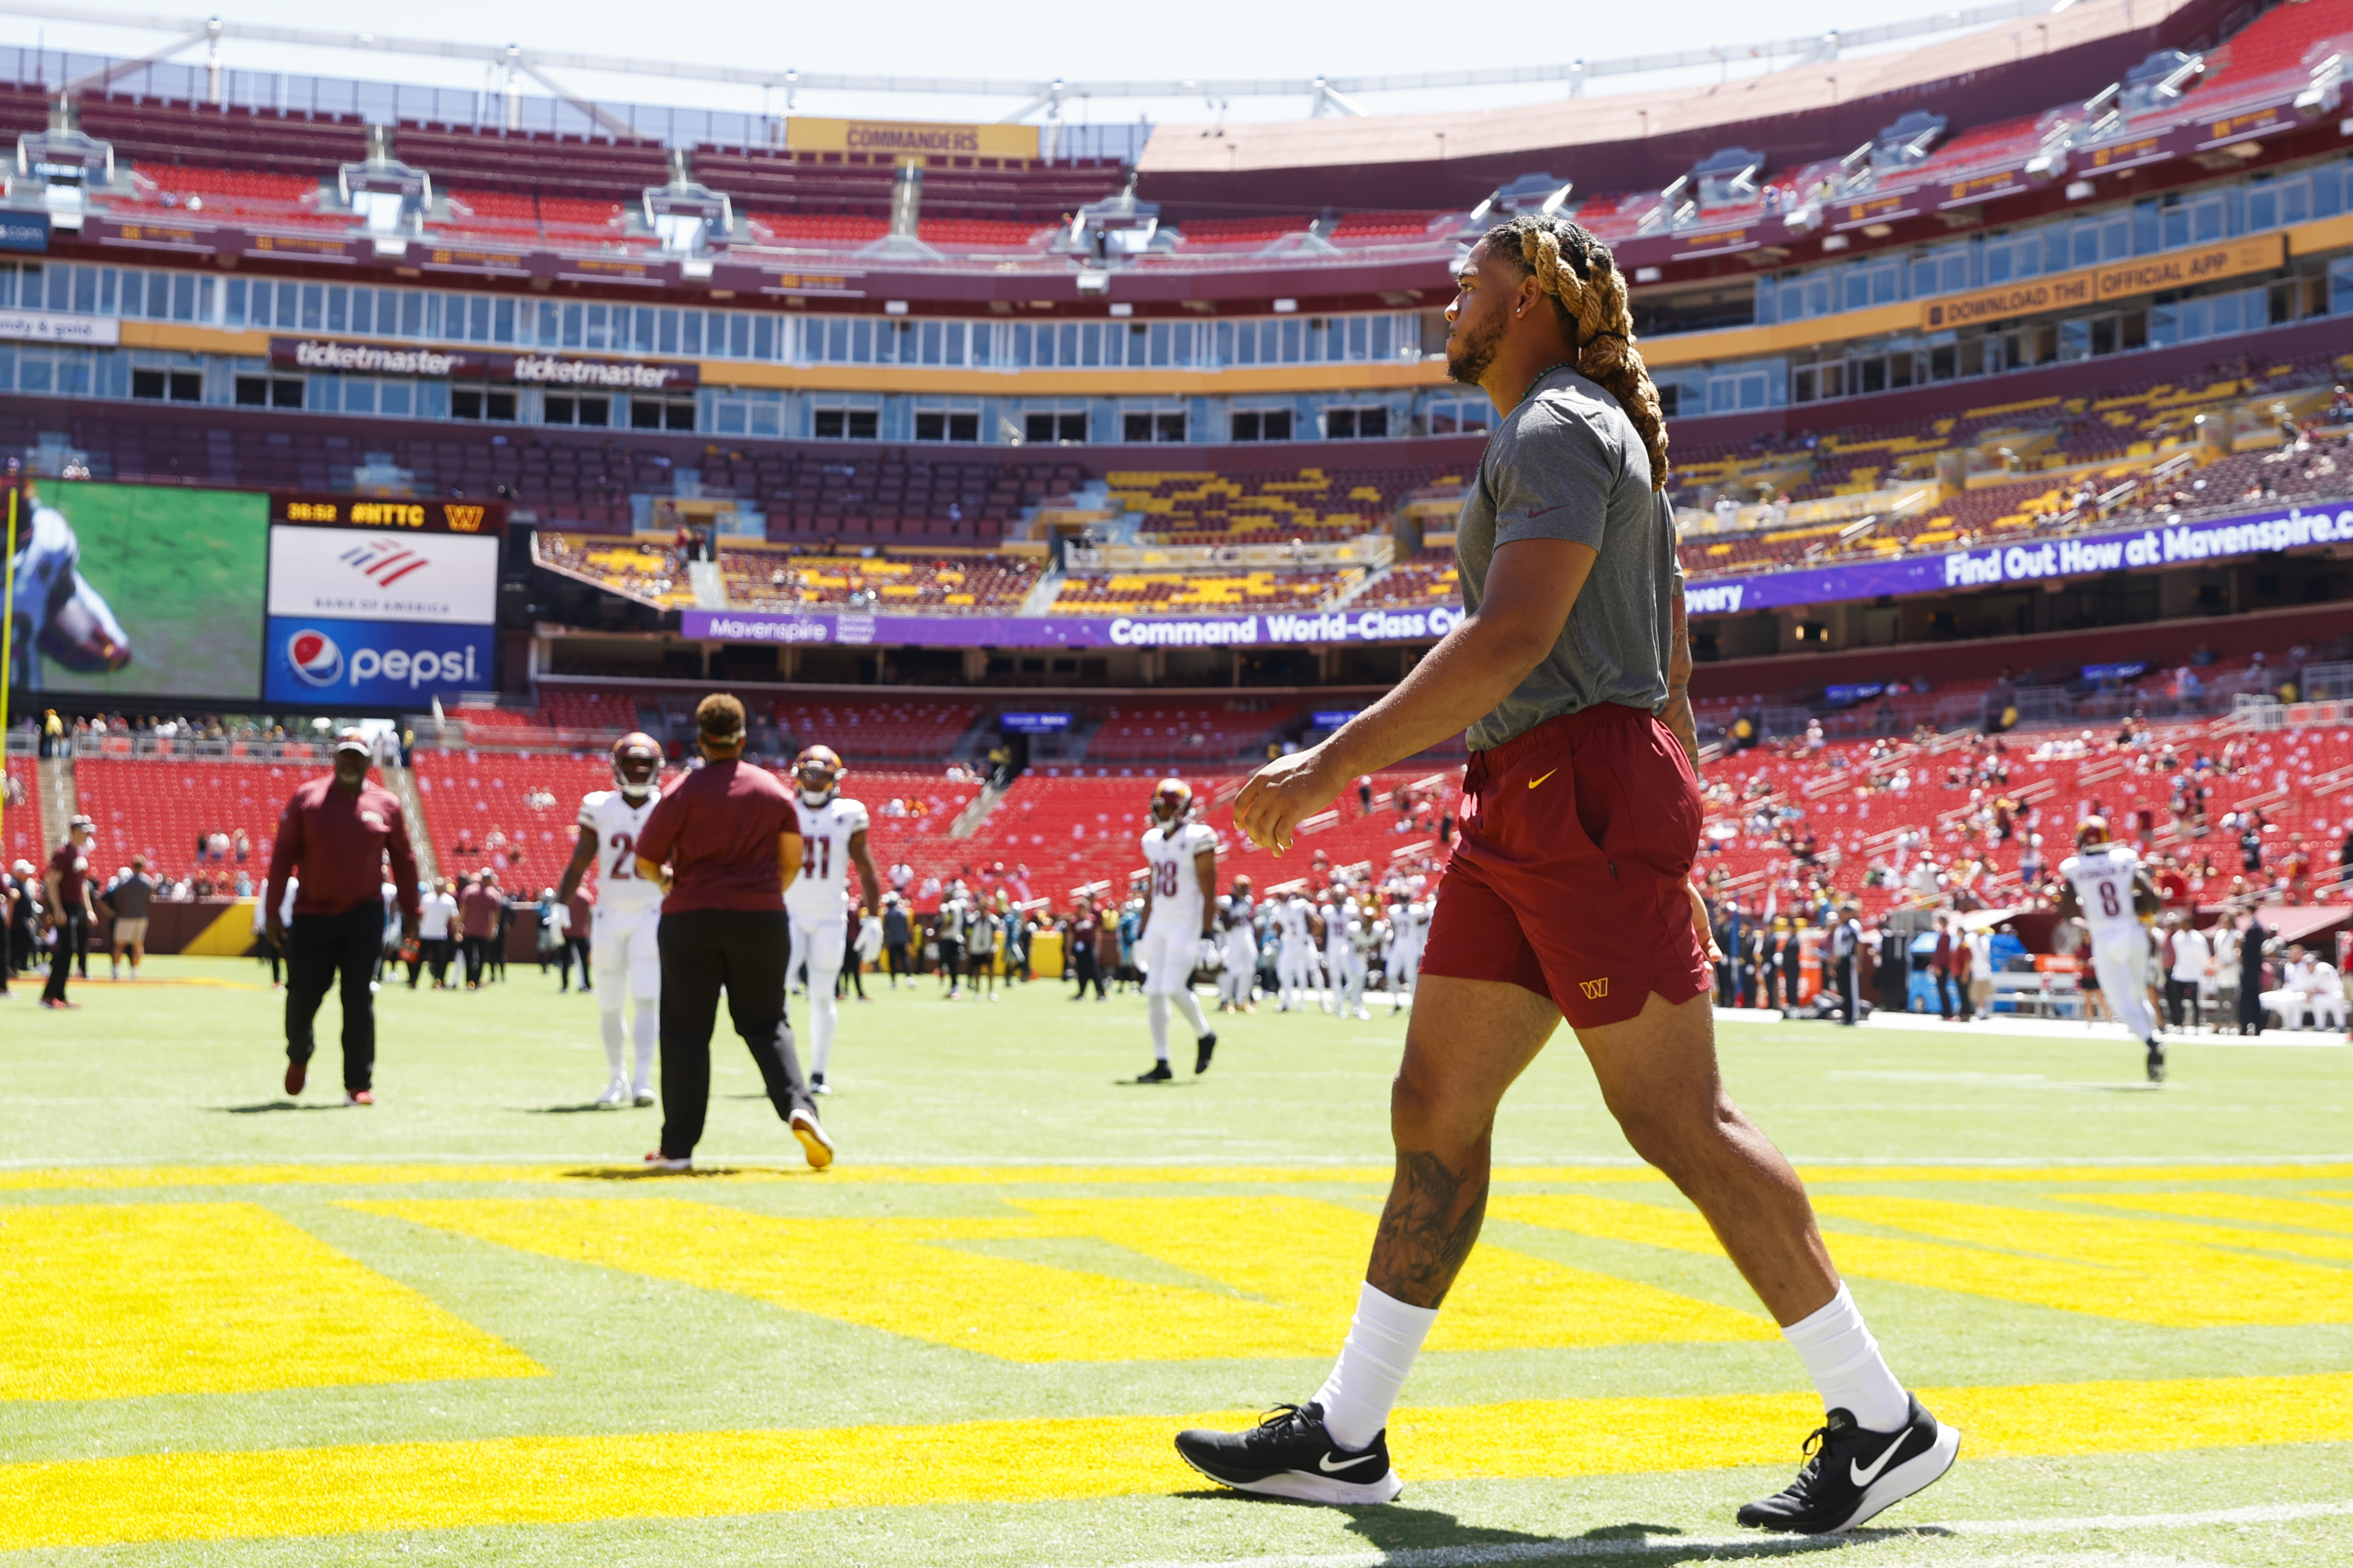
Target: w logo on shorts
[[1594, 989]]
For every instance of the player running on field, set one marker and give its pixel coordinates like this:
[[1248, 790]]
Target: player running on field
[[2106, 889], [833, 840], [1567, 894], [627, 914], [1180, 913]]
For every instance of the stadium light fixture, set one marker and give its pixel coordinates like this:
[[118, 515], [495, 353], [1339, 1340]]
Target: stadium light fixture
[[2079, 191]]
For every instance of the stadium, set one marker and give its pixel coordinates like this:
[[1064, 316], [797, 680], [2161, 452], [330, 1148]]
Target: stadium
[[1048, 493]]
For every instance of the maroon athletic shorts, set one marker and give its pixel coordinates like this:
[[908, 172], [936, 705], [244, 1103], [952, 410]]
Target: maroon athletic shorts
[[1571, 876]]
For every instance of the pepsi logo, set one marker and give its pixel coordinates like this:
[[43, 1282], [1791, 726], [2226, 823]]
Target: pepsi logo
[[316, 659]]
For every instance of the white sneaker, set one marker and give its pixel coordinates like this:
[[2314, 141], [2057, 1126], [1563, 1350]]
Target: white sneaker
[[1365, 1013], [616, 1093], [641, 1096]]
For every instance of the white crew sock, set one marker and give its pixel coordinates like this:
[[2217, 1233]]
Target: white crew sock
[[1189, 1005], [1844, 1361], [609, 1020], [1383, 1339], [1155, 1009], [648, 1034], [825, 1011]]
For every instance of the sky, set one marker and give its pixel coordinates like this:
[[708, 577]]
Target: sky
[[1022, 39]]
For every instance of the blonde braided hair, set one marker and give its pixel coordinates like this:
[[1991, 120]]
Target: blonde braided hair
[[1589, 296]]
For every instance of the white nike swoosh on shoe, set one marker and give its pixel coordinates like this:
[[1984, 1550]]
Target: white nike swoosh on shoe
[[1329, 1469], [1863, 1478]]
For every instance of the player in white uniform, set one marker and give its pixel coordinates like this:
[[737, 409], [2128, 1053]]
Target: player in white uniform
[[1333, 909], [621, 948], [2107, 890], [1409, 927], [833, 839], [1365, 938], [1294, 953], [1239, 973], [1179, 915]]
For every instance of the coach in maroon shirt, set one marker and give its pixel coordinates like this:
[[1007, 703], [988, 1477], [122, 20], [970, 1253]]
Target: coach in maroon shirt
[[336, 836], [723, 844]]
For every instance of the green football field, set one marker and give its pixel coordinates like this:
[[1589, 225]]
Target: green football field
[[458, 1326]]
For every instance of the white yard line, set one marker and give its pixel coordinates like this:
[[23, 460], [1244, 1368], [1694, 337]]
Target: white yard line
[[1475, 1554]]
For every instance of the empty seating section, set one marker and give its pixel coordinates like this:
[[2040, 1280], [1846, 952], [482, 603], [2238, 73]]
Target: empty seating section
[[160, 808], [1384, 227], [561, 717], [2282, 41], [779, 579], [817, 231], [893, 496], [1428, 577], [1075, 828], [863, 730], [1214, 234], [1129, 593], [1185, 736], [514, 813], [591, 711], [23, 839], [1855, 808], [1199, 507]]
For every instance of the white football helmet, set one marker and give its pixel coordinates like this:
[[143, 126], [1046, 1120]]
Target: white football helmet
[[1172, 802], [637, 765], [818, 770]]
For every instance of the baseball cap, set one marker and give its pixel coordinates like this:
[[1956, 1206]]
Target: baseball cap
[[354, 740]]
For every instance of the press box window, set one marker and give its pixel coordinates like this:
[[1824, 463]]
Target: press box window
[[480, 402], [1355, 423], [1139, 428], [562, 408], [1262, 425], [260, 391], [1049, 429], [661, 414], [170, 386], [943, 427], [843, 423]]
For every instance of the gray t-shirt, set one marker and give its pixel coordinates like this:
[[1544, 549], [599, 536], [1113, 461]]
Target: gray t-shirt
[[1568, 464]]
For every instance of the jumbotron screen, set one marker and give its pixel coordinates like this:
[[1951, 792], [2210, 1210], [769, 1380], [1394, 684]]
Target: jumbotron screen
[[138, 591]]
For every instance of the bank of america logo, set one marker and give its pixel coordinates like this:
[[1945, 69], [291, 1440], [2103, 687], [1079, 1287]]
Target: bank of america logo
[[383, 563]]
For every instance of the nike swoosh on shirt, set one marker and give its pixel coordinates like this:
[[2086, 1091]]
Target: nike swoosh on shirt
[[1863, 1478], [1348, 1462], [1540, 778]]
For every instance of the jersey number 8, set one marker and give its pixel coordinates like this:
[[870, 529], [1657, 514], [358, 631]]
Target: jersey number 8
[[2108, 900], [1164, 879]]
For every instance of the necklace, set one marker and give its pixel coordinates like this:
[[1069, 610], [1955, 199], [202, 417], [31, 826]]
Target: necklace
[[1564, 365]]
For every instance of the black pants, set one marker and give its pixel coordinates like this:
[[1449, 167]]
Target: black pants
[[745, 953], [2251, 1004], [1084, 965], [73, 936], [951, 963], [896, 952], [853, 970], [1768, 976], [2180, 995], [1850, 991], [576, 950], [317, 947], [477, 953]]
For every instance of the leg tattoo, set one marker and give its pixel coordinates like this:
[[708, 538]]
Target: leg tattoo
[[1429, 1227]]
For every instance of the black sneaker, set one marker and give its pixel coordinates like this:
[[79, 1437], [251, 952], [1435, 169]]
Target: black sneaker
[[1290, 1455], [1207, 1048], [1854, 1474], [2156, 1062], [818, 1084], [1159, 1073]]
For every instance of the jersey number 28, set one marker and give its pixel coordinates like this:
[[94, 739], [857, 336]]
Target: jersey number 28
[[1164, 879]]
